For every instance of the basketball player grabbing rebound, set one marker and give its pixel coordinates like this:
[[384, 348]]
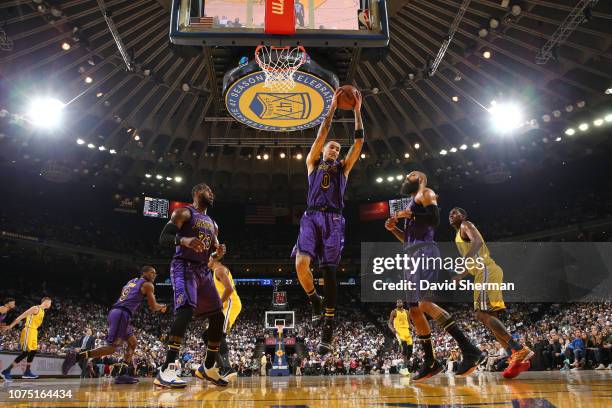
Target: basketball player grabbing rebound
[[28, 341], [421, 217], [194, 235], [7, 306], [119, 328], [398, 323], [231, 309], [322, 225], [487, 303]]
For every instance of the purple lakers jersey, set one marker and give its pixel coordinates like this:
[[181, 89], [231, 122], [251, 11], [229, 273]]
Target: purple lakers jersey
[[326, 185], [204, 228], [131, 296], [417, 231]]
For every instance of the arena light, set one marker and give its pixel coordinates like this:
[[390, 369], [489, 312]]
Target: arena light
[[570, 132], [583, 127], [299, 156], [178, 179], [506, 117], [463, 147], [147, 175], [363, 156], [91, 146], [453, 150], [88, 80], [455, 98], [486, 54], [282, 155], [406, 155], [476, 145], [399, 177], [598, 122], [159, 177], [65, 46], [558, 139], [417, 146], [390, 179], [258, 157], [266, 156], [168, 178], [112, 151], [80, 141], [99, 94], [136, 137], [101, 148], [379, 179], [608, 118], [443, 152], [45, 112]]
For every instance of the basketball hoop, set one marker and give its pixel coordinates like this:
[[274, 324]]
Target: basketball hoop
[[279, 64]]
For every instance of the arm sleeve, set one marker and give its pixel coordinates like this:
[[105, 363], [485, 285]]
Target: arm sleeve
[[168, 235], [430, 215]]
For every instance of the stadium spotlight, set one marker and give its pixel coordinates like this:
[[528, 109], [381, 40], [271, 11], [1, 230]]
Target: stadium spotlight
[[476, 145], [399, 177], [258, 157], [486, 54], [608, 117], [159, 177], [65, 46], [493, 23], [506, 117], [101, 148], [80, 141], [45, 112], [363, 155], [379, 179], [266, 156], [453, 150], [463, 147], [483, 32], [584, 127], [598, 122], [298, 156], [570, 132], [558, 139], [443, 152], [282, 155], [112, 151], [406, 155], [417, 146], [455, 98], [168, 178], [88, 80], [390, 179], [178, 179], [91, 145], [147, 175]]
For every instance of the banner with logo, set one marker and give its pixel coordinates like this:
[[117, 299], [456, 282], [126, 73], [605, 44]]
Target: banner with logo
[[374, 211], [126, 204]]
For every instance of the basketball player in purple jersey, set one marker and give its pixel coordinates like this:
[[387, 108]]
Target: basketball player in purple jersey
[[194, 235], [119, 328], [421, 218], [7, 306], [322, 225]]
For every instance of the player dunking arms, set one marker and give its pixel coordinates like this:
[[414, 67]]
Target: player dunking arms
[[7, 306], [398, 323], [322, 225], [487, 303], [421, 217], [28, 341], [193, 233], [231, 309], [119, 328]]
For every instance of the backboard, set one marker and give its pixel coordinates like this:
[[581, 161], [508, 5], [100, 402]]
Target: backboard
[[318, 23], [274, 317]]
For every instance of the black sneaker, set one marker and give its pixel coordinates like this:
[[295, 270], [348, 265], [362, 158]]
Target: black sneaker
[[317, 307], [429, 369], [324, 346], [470, 363]]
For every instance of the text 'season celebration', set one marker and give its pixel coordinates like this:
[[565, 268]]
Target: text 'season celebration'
[[306, 203]]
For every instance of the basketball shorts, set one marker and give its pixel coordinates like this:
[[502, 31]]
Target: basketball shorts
[[489, 300], [28, 340], [321, 237], [231, 310], [194, 287], [404, 335], [119, 327], [428, 271]]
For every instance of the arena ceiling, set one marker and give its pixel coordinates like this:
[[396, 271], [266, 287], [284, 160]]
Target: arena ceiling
[[167, 116]]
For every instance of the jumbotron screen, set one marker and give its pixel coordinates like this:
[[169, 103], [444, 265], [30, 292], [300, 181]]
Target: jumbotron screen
[[155, 207]]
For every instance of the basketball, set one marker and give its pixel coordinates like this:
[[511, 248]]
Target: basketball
[[346, 100]]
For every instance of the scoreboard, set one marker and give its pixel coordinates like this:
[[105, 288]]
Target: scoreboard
[[398, 205], [155, 207]]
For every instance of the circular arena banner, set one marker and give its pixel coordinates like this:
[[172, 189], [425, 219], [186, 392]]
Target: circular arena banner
[[254, 105]]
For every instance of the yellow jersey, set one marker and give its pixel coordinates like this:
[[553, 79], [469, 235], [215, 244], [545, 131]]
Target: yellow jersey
[[34, 321], [220, 288], [464, 246], [402, 326]]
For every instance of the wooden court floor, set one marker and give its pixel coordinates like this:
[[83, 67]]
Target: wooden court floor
[[530, 390]]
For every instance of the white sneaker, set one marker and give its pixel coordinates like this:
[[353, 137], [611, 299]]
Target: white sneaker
[[610, 366], [404, 372], [600, 367], [168, 378]]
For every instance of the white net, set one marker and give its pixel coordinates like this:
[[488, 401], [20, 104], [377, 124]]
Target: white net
[[279, 64]]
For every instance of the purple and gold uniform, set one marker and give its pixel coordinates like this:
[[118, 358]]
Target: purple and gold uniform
[[121, 312], [192, 280], [322, 224], [419, 243]]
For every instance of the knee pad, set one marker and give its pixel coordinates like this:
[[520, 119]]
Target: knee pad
[[215, 327], [181, 321]]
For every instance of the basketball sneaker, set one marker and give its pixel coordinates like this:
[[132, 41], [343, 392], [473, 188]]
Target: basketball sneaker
[[212, 375], [404, 372], [325, 345], [228, 373], [514, 364], [317, 307], [168, 378], [126, 379], [29, 375], [6, 375], [429, 369], [470, 363]]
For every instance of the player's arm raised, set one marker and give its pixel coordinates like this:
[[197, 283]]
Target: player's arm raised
[[355, 150], [317, 145], [30, 311], [169, 235], [390, 323], [148, 290], [474, 236], [221, 274]]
